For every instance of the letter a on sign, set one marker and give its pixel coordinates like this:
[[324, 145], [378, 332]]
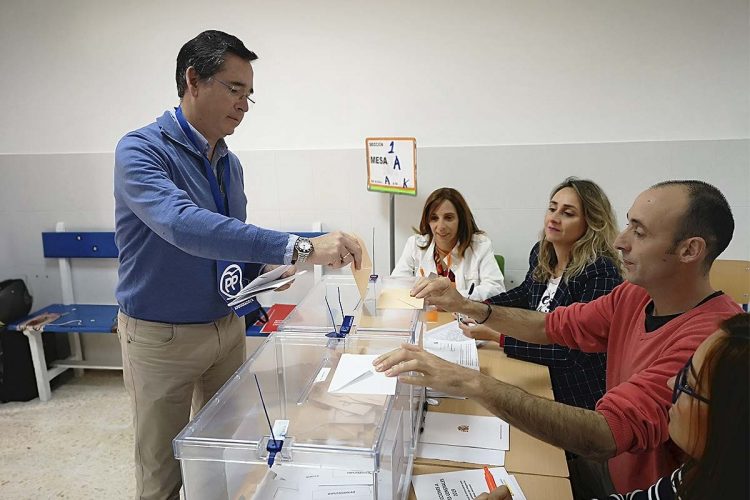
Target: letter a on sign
[[401, 153]]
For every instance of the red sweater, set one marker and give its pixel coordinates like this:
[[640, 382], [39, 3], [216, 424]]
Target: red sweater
[[638, 366]]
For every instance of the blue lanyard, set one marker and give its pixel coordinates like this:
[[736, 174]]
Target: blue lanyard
[[212, 180]]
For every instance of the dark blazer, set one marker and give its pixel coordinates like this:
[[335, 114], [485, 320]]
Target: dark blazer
[[578, 378]]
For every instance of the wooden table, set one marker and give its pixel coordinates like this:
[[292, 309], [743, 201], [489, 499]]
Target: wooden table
[[541, 468]]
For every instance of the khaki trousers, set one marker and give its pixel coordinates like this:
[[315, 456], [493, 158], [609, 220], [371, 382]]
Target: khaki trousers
[[169, 368]]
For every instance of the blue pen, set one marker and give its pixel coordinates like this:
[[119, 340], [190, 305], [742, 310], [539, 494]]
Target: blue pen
[[471, 290]]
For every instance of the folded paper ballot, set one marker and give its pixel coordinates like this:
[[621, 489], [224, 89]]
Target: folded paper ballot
[[463, 485], [356, 375], [265, 283], [362, 276], [398, 298]]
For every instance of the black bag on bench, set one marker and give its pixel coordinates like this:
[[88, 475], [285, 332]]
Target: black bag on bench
[[17, 379]]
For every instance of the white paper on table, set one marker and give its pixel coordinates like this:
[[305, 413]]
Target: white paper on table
[[465, 430], [462, 353], [448, 342], [462, 485], [355, 375], [449, 332], [467, 454]]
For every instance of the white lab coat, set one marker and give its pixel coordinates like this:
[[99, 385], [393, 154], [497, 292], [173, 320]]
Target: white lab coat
[[477, 266]]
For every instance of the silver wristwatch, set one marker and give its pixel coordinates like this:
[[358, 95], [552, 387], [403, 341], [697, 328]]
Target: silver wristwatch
[[303, 247]]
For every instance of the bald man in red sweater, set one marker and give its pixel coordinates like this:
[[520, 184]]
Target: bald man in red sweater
[[648, 326]]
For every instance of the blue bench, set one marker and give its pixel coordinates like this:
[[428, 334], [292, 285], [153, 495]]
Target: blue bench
[[75, 318], [71, 318]]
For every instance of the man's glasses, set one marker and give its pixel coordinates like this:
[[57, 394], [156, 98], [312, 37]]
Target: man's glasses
[[235, 91], [681, 384]]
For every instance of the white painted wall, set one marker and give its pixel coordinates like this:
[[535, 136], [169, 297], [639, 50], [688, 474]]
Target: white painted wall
[[505, 99], [79, 73]]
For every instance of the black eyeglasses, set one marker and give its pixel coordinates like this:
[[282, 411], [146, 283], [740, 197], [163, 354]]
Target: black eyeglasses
[[235, 91], [681, 384]]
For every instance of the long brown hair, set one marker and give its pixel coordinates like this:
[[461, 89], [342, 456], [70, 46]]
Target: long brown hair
[[467, 226], [722, 469], [597, 241]]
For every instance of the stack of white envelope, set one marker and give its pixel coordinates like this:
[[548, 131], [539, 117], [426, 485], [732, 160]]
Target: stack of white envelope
[[464, 438]]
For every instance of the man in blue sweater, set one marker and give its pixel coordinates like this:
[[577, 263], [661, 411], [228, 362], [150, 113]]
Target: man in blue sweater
[[180, 211]]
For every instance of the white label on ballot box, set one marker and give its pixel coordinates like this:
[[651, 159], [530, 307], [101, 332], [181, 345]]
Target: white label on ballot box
[[308, 483], [280, 427]]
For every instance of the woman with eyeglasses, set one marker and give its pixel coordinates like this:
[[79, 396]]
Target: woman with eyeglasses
[[709, 421], [451, 244]]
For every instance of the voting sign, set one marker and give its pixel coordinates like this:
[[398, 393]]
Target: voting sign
[[392, 164]]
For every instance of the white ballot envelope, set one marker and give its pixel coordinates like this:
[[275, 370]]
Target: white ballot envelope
[[355, 375], [398, 298], [466, 454]]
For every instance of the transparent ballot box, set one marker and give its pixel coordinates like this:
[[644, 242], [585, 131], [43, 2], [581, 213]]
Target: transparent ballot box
[[340, 444], [337, 296]]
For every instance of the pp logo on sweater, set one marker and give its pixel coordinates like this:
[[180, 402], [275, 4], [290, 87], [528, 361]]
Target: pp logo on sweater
[[230, 282]]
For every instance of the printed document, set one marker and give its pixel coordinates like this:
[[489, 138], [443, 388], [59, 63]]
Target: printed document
[[462, 485], [448, 342]]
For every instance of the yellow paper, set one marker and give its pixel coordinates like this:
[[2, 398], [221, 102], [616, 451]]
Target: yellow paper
[[398, 298], [362, 277]]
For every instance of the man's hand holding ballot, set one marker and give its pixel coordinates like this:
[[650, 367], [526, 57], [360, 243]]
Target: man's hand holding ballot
[[526, 325]]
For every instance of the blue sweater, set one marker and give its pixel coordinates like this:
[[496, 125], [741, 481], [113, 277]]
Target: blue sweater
[[169, 232]]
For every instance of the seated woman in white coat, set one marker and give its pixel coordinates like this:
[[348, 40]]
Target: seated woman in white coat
[[450, 244]]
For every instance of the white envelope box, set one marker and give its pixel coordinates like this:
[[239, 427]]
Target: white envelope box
[[360, 442]]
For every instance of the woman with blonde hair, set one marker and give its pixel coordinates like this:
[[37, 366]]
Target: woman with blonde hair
[[451, 244], [574, 261]]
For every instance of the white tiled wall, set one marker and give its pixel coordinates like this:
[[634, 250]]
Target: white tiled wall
[[506, 186]]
